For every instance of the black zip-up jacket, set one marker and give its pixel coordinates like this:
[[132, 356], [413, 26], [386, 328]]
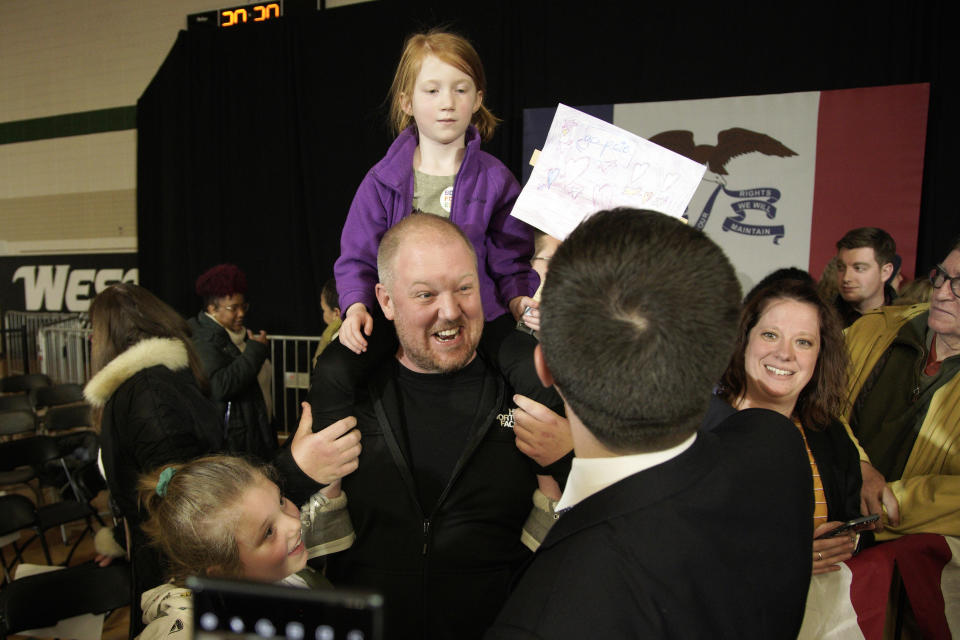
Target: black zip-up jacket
[[444, 574]]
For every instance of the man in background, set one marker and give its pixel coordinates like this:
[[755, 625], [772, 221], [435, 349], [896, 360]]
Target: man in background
[[330, 305], [865, 265]]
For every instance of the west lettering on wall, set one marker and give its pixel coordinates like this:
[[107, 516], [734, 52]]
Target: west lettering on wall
[[61, 283]]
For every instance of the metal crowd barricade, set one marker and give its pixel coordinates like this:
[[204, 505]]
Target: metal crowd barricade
[[65, 353], [12, 347], [292, 358], [65, 357], [20, 357], [59, 346]]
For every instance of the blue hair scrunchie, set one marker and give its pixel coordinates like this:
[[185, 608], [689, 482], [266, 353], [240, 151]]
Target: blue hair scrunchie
[[164, 480]]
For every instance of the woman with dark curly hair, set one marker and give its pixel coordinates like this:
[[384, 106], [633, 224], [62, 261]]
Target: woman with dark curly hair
[[790, 357]]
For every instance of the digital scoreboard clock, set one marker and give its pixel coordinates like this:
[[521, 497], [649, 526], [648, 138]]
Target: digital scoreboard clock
[[251, 13]]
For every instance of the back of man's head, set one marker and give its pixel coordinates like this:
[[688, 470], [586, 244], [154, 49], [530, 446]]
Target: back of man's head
[[883, 245], [663, 304]]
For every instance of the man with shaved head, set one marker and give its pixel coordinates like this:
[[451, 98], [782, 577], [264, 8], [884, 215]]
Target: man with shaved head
[[429, 289], [441, 492]]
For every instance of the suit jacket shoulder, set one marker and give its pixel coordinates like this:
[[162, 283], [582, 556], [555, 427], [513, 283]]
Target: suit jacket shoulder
[[713, 543]]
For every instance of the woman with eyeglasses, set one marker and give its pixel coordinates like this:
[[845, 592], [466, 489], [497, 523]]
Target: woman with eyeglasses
[[234, 360]]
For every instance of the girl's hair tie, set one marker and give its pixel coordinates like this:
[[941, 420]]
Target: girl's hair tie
[[164, 480]]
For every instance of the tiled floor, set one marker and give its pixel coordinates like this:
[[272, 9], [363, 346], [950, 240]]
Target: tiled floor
[[116, 625]]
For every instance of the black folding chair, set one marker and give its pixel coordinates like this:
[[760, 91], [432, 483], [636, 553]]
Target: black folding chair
[[65, 418], [35, 452], [77, 441], [17, 513], [14, 422], [24, 383], [56, 395], [44, 599], [16, 402], [17, 467]]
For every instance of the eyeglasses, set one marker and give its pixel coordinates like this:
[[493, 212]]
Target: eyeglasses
[[243, 306], [939, 275]]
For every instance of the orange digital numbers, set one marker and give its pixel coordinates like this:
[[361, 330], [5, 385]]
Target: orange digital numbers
[[264, 11], [261, 12], [233, 16]]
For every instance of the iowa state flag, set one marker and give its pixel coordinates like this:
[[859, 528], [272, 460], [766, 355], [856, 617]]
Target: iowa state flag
[[918, 572], [789, 174]]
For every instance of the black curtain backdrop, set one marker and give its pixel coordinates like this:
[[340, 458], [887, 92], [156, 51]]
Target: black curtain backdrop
[[252, 141]]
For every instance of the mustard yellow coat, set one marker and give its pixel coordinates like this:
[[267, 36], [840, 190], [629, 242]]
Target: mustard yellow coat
[[929, 491]]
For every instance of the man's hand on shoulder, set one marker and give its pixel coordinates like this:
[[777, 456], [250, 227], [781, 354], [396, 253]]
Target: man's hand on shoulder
[[329, 454], [541, 434]]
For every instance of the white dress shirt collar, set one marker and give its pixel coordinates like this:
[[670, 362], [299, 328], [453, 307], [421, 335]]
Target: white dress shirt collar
[[591, 475]]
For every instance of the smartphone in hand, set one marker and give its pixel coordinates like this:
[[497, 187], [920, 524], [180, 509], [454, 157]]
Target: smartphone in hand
[[857, 524]]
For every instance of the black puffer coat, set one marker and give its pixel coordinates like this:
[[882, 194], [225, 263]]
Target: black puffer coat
[[234, 387], [153, 414]]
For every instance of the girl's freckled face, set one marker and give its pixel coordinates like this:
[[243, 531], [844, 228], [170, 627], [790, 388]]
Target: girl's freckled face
[[268, 534], [443, 101]]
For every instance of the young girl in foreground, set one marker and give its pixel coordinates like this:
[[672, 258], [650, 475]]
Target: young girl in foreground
[[222, 516], [436, 166]]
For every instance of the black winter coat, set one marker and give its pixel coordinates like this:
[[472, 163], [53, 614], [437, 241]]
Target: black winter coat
[[443, 574], [234, 387], [838, 462], [153, 414]]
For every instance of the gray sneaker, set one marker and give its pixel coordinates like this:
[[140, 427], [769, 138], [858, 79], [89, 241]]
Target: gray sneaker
[[326, 525], [538, 523]]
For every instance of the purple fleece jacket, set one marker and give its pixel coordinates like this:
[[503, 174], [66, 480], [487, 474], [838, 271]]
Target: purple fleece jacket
[[484, 191]]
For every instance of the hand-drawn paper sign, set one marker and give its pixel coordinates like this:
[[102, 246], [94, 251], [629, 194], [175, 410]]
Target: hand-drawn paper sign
[[587, 165]]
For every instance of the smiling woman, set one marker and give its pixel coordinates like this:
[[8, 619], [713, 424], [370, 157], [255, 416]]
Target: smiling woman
[[790, 357], [781, 354]]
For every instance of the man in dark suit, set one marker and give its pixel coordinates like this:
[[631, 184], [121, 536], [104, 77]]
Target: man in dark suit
[[664, 532]]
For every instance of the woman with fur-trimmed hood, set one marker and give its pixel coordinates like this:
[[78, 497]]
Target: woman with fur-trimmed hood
[[151, 411]]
